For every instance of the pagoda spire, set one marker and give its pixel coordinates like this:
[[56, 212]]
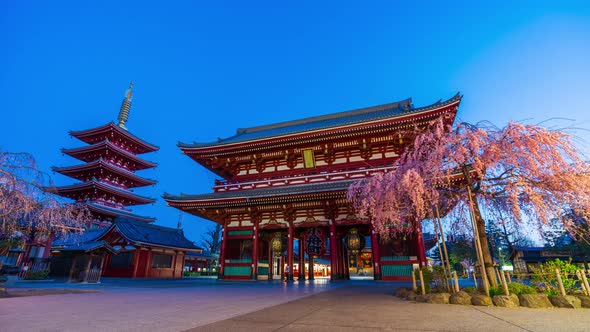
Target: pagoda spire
[[125, 107], [179, 225]]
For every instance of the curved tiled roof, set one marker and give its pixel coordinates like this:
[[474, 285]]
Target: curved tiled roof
[[72, 171], [117, 212], [71, 239], [96, 185], [362, 115], [136, 231], [264, 192], [111, 127]]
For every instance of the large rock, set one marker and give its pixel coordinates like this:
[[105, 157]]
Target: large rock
[[481, 300], [411, 296], [461, 297], [439, 298], [508, 301], [566, 301], [585, 301], [535, 301]]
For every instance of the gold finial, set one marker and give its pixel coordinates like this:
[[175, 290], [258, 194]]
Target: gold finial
[[126, 107]]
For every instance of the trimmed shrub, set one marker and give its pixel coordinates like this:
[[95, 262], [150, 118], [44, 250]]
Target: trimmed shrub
[[496, 291], [545, 279], [520, 289], [37, 275], [471, 290]]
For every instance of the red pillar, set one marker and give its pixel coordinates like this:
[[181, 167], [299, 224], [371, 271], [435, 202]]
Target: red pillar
[[301, 258], [135, 262], [174, 261], [255, 254], [148, 264], [222, 252], [290, 253], [420, 245], [270, 261], [333, 252], [376, 254]]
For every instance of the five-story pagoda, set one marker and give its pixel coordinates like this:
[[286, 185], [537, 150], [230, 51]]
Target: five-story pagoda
[[108, 172]]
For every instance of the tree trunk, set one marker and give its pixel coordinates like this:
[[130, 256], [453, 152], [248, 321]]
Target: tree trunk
[[483, 240]]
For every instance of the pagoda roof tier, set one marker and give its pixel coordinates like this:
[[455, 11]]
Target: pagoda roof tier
[[104, 150], [91, 190], [114, 133], [282, 194], [101, 169], [114, 213], [320, 127]]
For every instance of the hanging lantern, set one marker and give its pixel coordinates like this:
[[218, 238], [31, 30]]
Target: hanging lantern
[[277, 244], [315, 242], [355, 242]]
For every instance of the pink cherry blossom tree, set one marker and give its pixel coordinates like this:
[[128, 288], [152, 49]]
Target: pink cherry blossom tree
[[518, 172], [26, 206]]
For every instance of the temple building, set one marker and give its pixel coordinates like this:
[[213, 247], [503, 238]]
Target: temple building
[[119, 243], [282, 194]]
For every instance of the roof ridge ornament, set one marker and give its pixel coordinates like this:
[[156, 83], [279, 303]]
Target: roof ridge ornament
[[125, 107]]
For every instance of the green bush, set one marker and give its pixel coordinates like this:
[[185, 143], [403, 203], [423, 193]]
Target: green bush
[[496, 291], [520, 289], [37, 275], [545, 279], [471, 290], [551, 292], [427, 276], [191, 274]]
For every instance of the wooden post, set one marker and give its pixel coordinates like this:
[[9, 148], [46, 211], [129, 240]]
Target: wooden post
[[376, 254], [135, 262], [422, 282], [148, 263], [508, 276], [100, 269], [456, 281], [444, 244], [584, 289], [72, 268], [222, 250], [311, 268], [87, 270], [561, 289], [333, 260], [414, 287], [442, 258], [290, 253], [474, 278], [585, 281], [497, 276], [271, 260], [505, 284], [255, 253], [484, 275], [174, 262]]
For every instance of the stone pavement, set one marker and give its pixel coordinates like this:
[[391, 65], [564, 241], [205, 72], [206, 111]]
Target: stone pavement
[[249, 306], [145, 305], [366, 307]]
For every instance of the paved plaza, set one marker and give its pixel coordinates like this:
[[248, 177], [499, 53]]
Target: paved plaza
[[210, 305]]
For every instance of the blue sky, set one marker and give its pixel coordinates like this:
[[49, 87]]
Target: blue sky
[[202, 69]]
